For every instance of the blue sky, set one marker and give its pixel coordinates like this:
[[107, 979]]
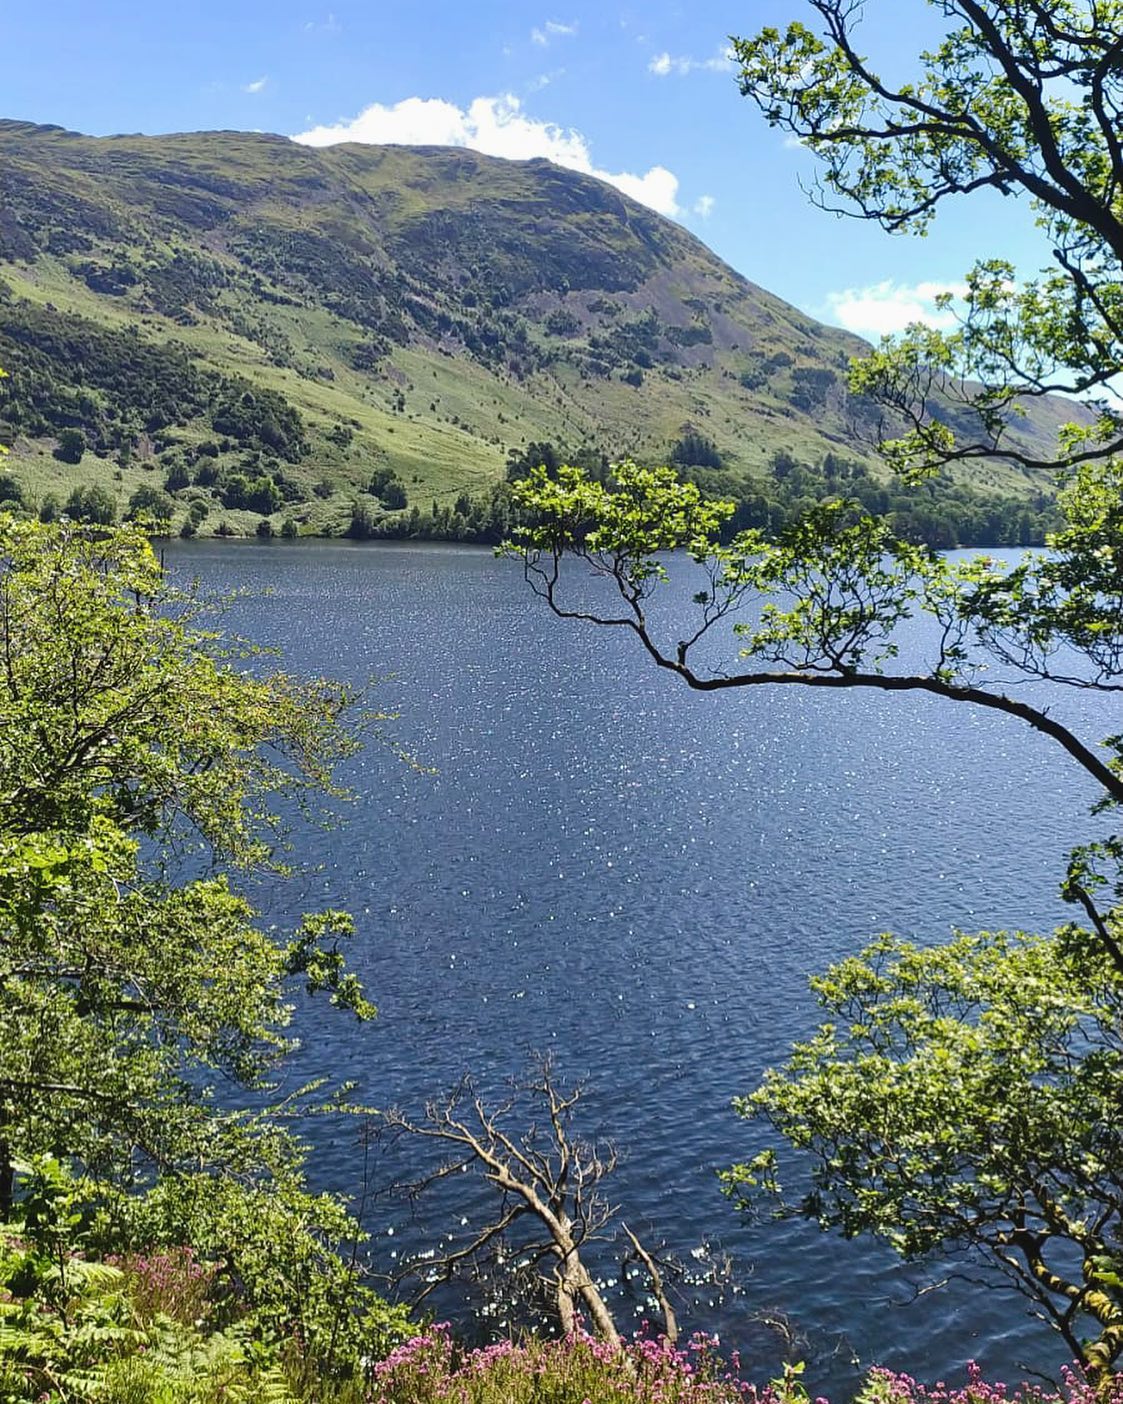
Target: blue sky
[[638, 92]]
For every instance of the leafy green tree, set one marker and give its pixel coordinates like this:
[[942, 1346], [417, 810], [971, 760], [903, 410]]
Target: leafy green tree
[[94, 505], [394, 496], [236, 491], [264, 496], [177, 477], [380, 480], [71, 446], [695, 450], [520, 462], [122, 722], [824, 601], [133, 744], [363, 523], [1020, 97], [966, 1096], [151, 503]]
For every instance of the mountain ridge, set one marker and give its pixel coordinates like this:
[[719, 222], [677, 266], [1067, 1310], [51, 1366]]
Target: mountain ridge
[[425, 312]]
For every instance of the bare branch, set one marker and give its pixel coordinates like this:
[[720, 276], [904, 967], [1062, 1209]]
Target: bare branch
[[544, 1174], [670, 1323]]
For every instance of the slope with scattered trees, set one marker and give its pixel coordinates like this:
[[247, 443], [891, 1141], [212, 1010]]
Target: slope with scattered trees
[[209, 307]]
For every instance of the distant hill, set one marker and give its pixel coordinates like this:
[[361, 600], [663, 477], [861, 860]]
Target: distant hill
[[260, 328]]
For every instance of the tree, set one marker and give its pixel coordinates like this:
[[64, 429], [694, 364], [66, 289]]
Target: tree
[[522, 461], [394, 496], [122, 723], [1023, 98], [264, 497], [150, 502], [824, 601], [177, 477], [363, 523], [551, 1208], [260, 494], [694, 450], [94, 505], [965, 1096], [139, 765], [71, 446]]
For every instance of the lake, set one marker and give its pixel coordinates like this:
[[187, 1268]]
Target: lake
[[639, 879]]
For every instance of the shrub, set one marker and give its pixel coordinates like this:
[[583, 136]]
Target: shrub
[[887, 1387], [432, 1369]]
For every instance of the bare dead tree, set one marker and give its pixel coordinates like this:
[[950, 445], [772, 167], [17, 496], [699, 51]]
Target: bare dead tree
[[548, 1181]]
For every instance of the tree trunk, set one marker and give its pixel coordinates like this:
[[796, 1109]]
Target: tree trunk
[[7, 1181]]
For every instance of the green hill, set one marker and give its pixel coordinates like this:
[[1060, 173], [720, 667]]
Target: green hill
[[261, 328]]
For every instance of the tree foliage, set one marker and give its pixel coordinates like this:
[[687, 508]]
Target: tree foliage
[[126, 737], [151, 504], [694, 450], [70, 376], [203, 1324], [827, 595], [1020, 97], [142, 758], [71, 446], [964, 1096], [822, 606]]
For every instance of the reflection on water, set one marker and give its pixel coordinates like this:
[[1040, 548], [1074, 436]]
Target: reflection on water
[[639, 879]]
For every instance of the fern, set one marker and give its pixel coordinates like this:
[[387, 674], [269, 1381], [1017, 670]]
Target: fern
[[211, 1371]]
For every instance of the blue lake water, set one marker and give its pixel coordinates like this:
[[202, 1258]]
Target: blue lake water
[[639, 879]]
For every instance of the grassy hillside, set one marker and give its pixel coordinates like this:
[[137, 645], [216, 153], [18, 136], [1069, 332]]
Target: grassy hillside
[[227, 308]]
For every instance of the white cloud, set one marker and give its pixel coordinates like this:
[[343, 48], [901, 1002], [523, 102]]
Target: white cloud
[[704, 206], [329, 26], [497, 126], [888, 307], [658, 189], [664, 64], [543, 80], [256, 86], [552, 29]]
